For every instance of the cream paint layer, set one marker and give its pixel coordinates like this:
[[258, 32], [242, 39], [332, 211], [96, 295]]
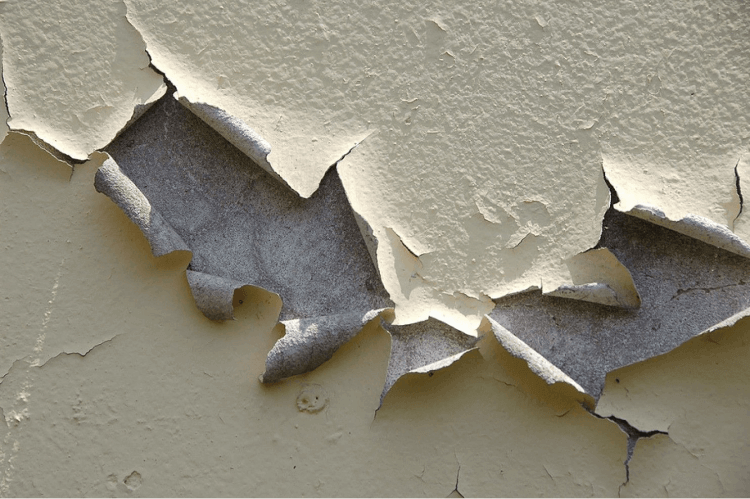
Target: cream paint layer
[[76, 72]]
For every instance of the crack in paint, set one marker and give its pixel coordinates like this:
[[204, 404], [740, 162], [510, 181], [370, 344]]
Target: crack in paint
[[739, 190], [633, 433], [82, 355], [707, 290]]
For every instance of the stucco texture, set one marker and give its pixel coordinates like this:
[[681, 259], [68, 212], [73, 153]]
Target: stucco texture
[[483, 161]]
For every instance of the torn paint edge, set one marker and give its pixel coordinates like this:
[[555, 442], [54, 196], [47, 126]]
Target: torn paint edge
[[694, 226], [236, 132], [440, 364], [371, 241], [309, 343], [539, 365], [594, 292]]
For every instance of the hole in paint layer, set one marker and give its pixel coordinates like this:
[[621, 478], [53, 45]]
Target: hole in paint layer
[[312, 399], [133, 480]]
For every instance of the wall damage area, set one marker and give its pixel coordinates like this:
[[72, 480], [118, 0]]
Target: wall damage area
[[404, 249]]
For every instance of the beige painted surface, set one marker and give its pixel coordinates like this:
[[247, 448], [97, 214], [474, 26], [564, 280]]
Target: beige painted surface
[[699, 394], [114, 384]]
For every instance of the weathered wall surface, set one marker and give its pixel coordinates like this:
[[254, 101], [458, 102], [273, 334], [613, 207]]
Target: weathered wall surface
[[510, 172]]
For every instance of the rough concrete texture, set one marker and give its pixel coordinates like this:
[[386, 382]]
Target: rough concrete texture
[[686, 287]]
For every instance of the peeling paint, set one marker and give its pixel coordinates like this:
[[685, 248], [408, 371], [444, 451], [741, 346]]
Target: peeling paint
[[433, 174]]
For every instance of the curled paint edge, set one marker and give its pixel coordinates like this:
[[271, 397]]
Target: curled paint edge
[[309, 343], [440, 364], [237, 132], [594, 292], [728, 322], [459, 348], [213, 295], [540, 366], [113, 183], [695, 226]]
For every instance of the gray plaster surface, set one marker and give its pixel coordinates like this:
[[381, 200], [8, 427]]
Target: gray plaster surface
[[686, 286]]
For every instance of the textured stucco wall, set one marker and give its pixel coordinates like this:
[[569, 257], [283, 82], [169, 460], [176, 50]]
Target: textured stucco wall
[[472, 143]]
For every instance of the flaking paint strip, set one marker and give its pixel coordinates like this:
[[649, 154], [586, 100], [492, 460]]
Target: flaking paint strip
[[236, 131], [308, 343], [113, 183], [540, 366], [700, 228]]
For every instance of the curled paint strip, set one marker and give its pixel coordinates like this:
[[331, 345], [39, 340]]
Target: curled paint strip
[[213, 294], [538, 364], [308, 343], [113, 183], [236, 131], [700, 228]]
